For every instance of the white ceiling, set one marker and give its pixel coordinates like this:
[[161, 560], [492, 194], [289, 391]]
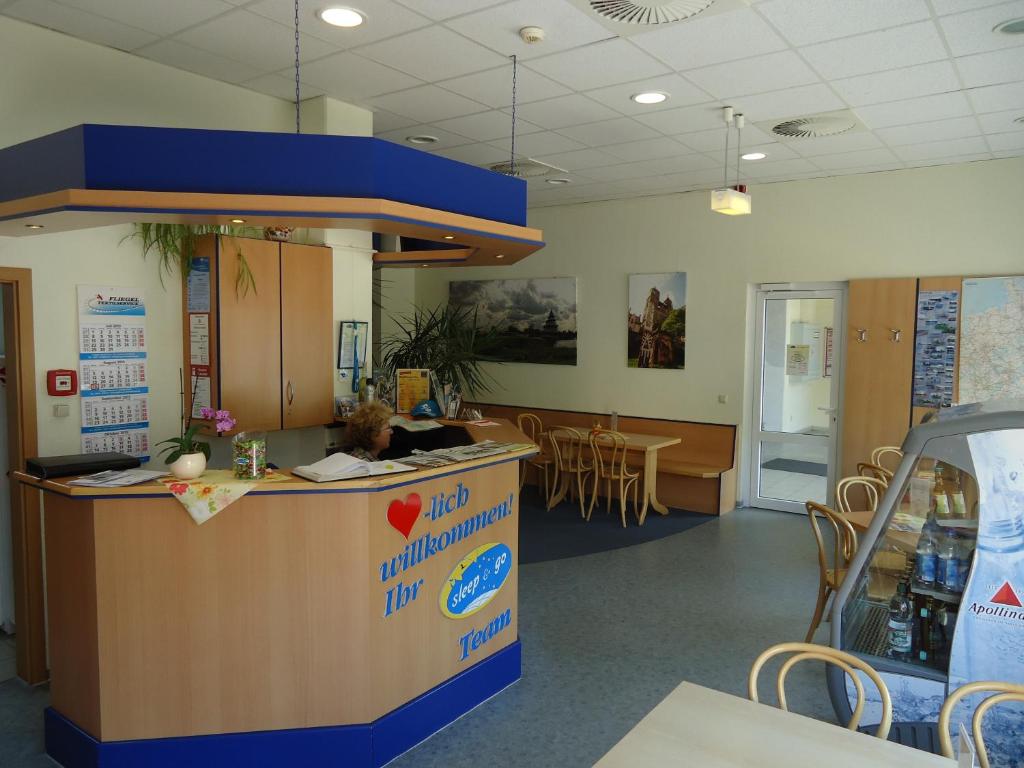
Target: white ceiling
[[929, 79]]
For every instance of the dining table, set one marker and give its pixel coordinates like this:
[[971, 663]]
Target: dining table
[[698, 726], [636, 443]]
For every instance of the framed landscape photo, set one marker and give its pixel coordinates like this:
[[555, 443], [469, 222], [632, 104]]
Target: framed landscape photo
[[656, 321], [534, 318]]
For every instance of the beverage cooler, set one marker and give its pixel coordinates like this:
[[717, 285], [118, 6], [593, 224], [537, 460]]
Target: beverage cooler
[[933, 598]]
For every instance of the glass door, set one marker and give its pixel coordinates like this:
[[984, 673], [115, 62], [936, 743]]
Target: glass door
[[796, 398]]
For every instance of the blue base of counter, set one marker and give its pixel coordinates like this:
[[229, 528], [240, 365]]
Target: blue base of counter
[[357, 746]]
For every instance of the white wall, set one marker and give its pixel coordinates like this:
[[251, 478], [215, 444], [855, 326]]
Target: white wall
[[48, 82]]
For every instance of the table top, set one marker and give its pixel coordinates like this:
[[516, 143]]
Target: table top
[[636, 441], [696, 726], [861, 521]]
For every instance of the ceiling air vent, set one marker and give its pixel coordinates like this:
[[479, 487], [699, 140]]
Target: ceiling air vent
[[649, 11], [527, 168], [815, 126]]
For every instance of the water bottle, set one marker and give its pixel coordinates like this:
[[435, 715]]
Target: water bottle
[[966, 557], [927, 558], [901, 624], [948, 576]]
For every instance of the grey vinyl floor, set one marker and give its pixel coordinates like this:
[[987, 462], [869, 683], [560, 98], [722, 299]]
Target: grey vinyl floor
[[605, 637]]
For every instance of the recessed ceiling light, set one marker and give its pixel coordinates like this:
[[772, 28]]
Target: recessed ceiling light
[[754, 156], [558, 181], [1011, 27], [424, 265], [341, 17], [421, 139], [34, 226], [238, 221], [499, 256], [449, 237], [649, 97]]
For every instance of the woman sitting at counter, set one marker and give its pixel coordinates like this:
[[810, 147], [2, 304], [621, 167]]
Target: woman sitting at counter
[[368, 432]]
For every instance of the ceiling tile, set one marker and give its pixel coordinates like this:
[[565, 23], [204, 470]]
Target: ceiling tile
[[487, 126], [538, 144], [474, 154], [771, 72], [1001, 122], [277, 85], [714, 140], [922, 110], [618, 172], [182, 56], [876, 51], [445, 139], [933, 149], [600, 64], [940, 130], [830, 145], [931, 162], [384, 18], [444, 9], [86, 26], [564, 111], [685, 119], [866, 157], [427, 104], [349, 76], [706, 40], [993, 68], [498, 27], [792, 102], [706, 179], [782, 167], [156, 16], [253, 39], [1002, 142], [388, 121], [580, 159], [680, 91], [680, 164], [434, 53], [615, 131], [971, 32], [1006, 153], [896, 84], [811, 21], [648, 149], [494, 87], [946, 7], [995, 98]]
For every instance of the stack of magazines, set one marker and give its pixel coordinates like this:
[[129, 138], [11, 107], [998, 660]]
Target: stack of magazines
[[442, 457]]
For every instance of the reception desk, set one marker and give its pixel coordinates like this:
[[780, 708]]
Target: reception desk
[[306, 624]]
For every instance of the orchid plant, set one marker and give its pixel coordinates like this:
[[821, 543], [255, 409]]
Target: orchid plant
[[187, 442]]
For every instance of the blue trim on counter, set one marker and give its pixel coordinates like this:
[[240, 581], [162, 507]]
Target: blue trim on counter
[[352, 746]]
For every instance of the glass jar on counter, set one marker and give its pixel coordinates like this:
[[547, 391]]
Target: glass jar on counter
[[249, 455]]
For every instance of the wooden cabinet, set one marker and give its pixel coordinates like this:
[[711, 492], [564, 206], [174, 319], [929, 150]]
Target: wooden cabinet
[[262, 351], [879, 374]]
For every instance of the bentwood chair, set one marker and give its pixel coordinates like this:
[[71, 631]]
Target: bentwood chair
[[872, 488], [1002, 692], [844, 548], [531, 426], [868, 469], [574, 468], [882, 455], [845, 661], [609, 449]]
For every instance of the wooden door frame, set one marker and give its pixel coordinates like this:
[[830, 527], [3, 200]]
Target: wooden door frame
[[26, 520]]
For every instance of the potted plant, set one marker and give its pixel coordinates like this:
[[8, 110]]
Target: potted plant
[[187, 455]]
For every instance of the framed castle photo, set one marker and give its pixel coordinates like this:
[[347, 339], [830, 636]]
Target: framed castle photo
[[656, 321]]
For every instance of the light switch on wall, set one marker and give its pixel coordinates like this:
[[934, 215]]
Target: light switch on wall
[[723, 399], [61, 409]]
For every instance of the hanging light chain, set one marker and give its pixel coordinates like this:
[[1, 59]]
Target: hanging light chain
[[298, 124], [512, 161], [739, 141], [725, 170]]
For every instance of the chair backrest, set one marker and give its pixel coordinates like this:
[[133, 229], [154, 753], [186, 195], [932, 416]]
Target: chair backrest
[[872, 487], [567, 447], [867, 469], [882, 455], [845, 661], [844, 537], [530, 425], [609, 448], [1003, 692]]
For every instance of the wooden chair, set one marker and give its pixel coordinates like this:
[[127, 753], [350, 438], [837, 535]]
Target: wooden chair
[[1003, 692], [845, 547], [881, 456], [868, 469], [531, 426], [572, 464], [873, 489], [609, 449], [845, 661]]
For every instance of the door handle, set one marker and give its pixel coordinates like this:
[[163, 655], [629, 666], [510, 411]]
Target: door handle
[[862, 334], [826, 410], [896, 333], [291, 393]]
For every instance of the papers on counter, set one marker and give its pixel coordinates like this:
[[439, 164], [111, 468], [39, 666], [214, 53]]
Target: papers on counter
[[442, 457], [118, 478], [414, 426], [341, 466]]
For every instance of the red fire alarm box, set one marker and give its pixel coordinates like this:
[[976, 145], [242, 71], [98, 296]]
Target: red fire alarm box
[[61, 382]]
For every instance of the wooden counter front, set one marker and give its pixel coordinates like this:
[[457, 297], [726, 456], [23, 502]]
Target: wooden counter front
[[284, 611]]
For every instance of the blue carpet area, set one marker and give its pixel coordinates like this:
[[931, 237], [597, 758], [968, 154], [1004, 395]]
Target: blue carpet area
[[561, 532]]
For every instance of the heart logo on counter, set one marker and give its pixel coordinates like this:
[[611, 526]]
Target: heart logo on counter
[[402, 514]]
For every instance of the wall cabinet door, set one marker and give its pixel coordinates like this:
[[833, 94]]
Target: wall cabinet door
[[307, 299], [249, 333], [879, 366]]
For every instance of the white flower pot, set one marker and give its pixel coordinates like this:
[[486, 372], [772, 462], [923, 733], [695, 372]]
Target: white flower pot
[[189, 466]]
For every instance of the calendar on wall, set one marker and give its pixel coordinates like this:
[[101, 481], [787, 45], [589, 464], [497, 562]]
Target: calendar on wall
[[112, 370]]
